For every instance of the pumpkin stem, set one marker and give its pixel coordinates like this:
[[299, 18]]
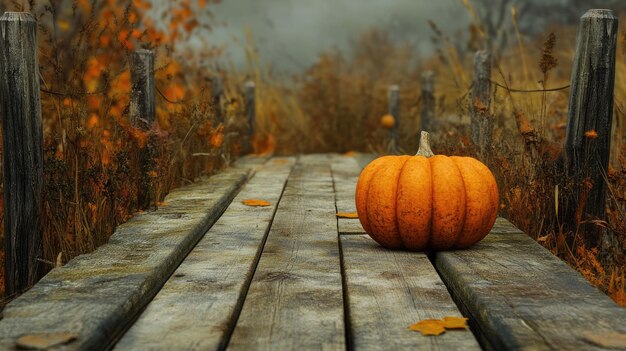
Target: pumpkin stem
[[424, 149]]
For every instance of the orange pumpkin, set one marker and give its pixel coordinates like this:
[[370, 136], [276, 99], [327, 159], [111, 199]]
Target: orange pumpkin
[[427, 202], [387, 121]]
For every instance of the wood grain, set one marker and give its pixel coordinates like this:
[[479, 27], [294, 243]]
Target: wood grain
[[22, 146], [590, 109], [346, 172], [482, 121], [198, 306], [519, 296], [387, 291], [98, 295], [142, 97], [295, 299]]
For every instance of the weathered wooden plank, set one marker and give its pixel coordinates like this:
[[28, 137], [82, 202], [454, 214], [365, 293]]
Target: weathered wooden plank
[[387, 290], [519, 296], [346, 172], [198, 306], [22, 146], [96, 295], [295, 300]]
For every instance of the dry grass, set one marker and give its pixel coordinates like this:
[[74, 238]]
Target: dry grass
[[92, 166], [341, 99]]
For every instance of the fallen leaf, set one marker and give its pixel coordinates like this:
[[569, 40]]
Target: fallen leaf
[[347, 215], [429, 327], [349, 153], [44, 341], [591, 134], [606, 340], [455, 322], [256, 203]]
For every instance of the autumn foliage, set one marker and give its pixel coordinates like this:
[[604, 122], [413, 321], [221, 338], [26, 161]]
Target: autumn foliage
[[95, 160], [93, 166]]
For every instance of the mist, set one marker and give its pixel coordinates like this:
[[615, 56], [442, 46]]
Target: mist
[[290, 34]]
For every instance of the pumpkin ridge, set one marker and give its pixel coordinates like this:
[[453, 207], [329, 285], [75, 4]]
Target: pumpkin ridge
[[460, 236], [376, 232], [396, 200], [464, 207], [363, 217]]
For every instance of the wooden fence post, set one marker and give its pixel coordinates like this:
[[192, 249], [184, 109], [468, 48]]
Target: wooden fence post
[[250, 106], [393, 101], [22, 142], [482, 121], [428, 101], [143, 100], [588, 141], [142, 116], [217, 87]]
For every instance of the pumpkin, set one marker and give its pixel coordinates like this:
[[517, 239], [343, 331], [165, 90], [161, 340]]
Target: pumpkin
[[427, 202], [387, 121]]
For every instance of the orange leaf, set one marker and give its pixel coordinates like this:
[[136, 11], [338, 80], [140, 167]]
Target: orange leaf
[[455, 322], [347, 215], [256, 203], [429, 327], [591, 134]]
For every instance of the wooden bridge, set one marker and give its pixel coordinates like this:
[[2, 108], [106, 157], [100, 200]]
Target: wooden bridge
[[208, 272]]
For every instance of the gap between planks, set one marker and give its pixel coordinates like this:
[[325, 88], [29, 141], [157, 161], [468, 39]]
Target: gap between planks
[[198, 307], [295, 299], [385, 291], [97, 295]]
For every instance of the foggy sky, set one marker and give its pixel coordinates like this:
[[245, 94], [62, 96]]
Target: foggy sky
[[290, 34]]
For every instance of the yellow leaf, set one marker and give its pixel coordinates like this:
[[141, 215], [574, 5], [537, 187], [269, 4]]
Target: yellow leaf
[[63, 25], [429, 327], [347, 215], [608, 340], [256, 203], [455, 322], [44, 341]]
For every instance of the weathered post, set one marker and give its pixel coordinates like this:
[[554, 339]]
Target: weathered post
[[428, 101], [217, 87], [22, 146], [588, 141], [142, 101], [250, 106], [393, 101], [142, 116], [482, 121]]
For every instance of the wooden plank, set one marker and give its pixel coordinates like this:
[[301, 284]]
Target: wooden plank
[[295, 299], [198, 306], [97, 295], [519, 296], [346, 172], [387, 290]]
